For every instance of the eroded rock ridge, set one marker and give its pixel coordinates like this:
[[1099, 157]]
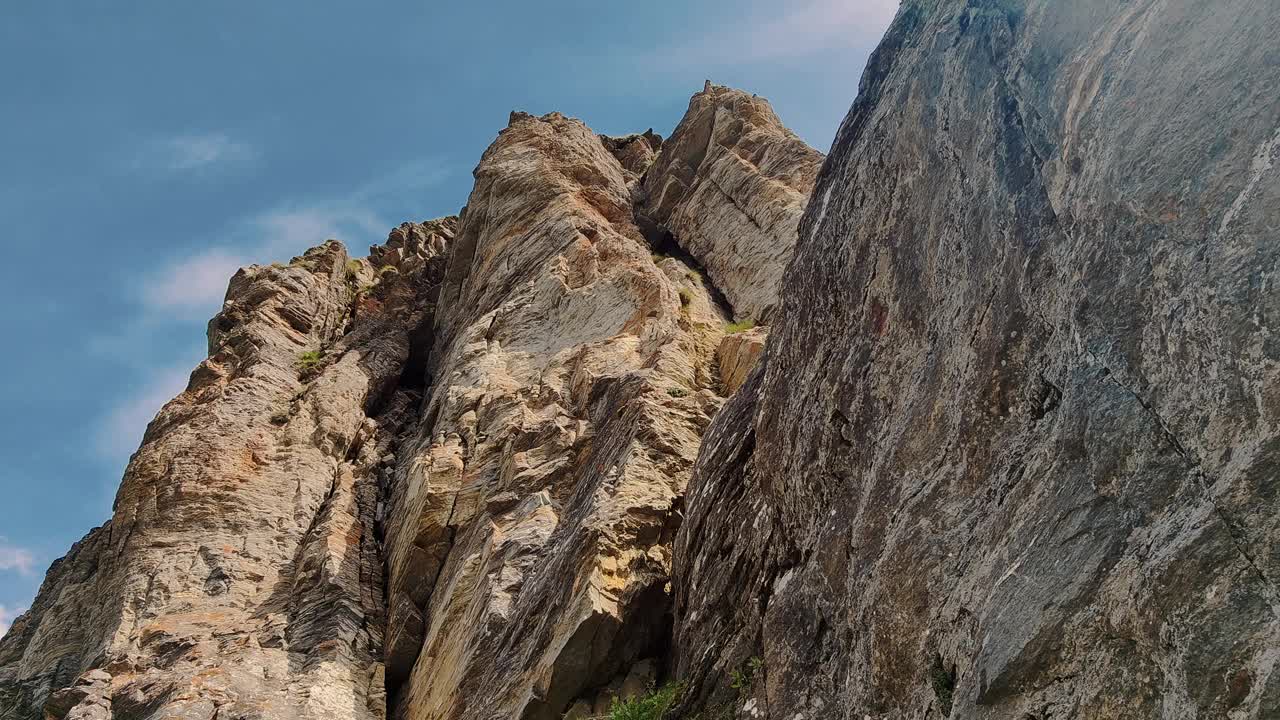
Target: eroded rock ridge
[[441, 481]]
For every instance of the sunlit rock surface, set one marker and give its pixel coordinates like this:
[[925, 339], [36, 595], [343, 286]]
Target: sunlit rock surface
[[438, 482]]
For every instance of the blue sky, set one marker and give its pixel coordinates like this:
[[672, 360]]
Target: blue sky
[[149, 148]]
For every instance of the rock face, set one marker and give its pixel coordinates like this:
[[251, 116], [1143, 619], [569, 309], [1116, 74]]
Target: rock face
[[439, 482], [529, 536], [1004, 445], [1012, 451], [240, 575], [730, 186], [737, 356]]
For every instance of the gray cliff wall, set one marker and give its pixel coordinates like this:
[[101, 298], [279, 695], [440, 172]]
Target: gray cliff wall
[[1013, 449]]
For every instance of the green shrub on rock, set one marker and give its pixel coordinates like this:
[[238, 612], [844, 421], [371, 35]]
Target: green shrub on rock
[[309, 362], [651, 706]]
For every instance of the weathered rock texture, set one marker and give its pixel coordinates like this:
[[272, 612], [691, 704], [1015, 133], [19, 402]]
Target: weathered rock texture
[[240, 576], [737, 356], [529, 539], [529, 536], [730, 186], [1009, 452], [496, 414], [1013, 448]]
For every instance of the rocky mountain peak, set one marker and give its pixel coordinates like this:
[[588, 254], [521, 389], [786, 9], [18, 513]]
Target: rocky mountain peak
[[437, 481], [974, 418]]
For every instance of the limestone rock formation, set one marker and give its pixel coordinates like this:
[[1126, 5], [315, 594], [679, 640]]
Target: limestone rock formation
[[1003, 444], [439, 482], [528, 546], [529, 535], [240, 575], [634, 152], [730, 186], [737, 356], [1012, 451]]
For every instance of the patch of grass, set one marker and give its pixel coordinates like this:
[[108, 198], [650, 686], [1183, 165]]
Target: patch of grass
[[686, 296], [744, 678], [354, 267], [650, 706], [309, 361], [737, 327], [677, 392], [741, 681], [944, 684], [387, 270]]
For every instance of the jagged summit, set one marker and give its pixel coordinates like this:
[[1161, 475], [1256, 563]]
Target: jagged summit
[[730, 173], [440, 480]]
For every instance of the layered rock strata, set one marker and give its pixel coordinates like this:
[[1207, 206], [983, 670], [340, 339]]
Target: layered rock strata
[[738, 354], [240, 574], [730, 186], [530, 531], [1012, 451], [529, 537], [439, 482]]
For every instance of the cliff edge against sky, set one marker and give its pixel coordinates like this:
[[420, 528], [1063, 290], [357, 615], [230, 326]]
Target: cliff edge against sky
[[977, 417]]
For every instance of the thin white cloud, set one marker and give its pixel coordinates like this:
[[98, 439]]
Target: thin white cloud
[[120, 432], [192, 288], [784, 31], [198, 281], [293, 229], [7, 617], [406, 180], [16, 558], [191, 152]]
